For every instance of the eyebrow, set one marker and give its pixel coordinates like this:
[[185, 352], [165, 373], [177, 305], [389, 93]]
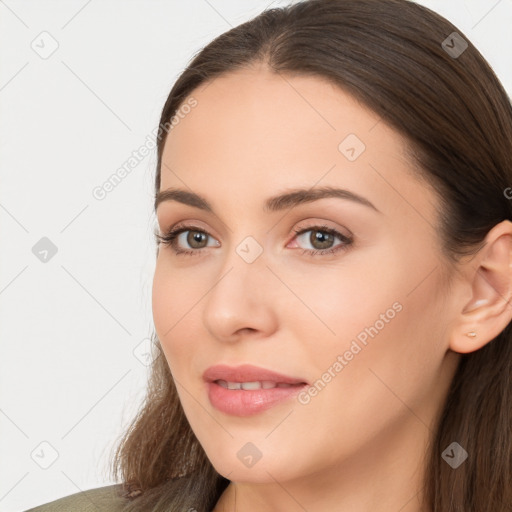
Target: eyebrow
[[276, 203]]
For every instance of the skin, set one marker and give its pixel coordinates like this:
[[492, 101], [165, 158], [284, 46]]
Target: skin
[[359, 444]]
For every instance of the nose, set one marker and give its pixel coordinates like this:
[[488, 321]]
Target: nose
[[242, 300]]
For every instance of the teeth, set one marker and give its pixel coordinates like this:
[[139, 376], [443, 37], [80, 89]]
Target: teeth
[[251, 385], [265, 384]]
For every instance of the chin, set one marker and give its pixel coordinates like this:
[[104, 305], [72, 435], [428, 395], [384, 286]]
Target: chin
[[263, 471]]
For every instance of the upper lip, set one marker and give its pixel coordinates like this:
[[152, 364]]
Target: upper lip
[[247, 373]]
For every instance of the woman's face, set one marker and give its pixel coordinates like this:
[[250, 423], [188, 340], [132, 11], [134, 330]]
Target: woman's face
[[363, 324]]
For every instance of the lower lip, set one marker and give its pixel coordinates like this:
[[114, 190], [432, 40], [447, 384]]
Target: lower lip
[[240, 402]]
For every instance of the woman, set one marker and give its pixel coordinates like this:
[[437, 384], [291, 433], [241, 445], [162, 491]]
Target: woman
[[331, 294]]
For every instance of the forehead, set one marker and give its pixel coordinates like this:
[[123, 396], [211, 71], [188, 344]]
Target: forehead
[[253, 132], [256, 105]]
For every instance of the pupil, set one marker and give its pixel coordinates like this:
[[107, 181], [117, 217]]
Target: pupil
[[322, 237]]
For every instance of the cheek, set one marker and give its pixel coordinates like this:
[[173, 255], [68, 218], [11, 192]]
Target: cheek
[[392, 352], [170, 304], [376, 323], [358, 301], [161, 301]]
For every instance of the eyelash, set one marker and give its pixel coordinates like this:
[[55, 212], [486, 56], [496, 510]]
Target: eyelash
[[169, 239]]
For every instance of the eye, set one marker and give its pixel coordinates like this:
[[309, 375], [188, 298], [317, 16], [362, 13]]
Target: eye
[[191, 235], [321, 239]]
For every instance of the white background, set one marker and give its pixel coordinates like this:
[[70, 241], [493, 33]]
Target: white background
[[69, 326]]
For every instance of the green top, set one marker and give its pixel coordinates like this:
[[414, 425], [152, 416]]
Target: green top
[[100, 499]]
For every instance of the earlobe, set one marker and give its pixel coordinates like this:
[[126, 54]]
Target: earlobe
[[489, 309]]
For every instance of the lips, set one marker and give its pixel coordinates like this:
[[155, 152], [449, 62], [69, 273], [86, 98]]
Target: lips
[[247, 390], [248, 373]]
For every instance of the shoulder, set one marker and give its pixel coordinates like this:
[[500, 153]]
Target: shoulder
[[100, 499]]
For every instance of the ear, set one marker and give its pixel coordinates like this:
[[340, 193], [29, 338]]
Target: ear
[[489, 277]]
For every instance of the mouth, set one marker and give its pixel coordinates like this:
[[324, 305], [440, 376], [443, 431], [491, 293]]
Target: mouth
[[247, 390], [250, 386], [252, 377]]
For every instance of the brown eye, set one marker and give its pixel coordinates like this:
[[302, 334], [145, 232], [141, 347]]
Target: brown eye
[[195, 239], [321, 239], [187, 240]]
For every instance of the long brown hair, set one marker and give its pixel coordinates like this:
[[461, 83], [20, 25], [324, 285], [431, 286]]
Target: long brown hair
[[394, 56]]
